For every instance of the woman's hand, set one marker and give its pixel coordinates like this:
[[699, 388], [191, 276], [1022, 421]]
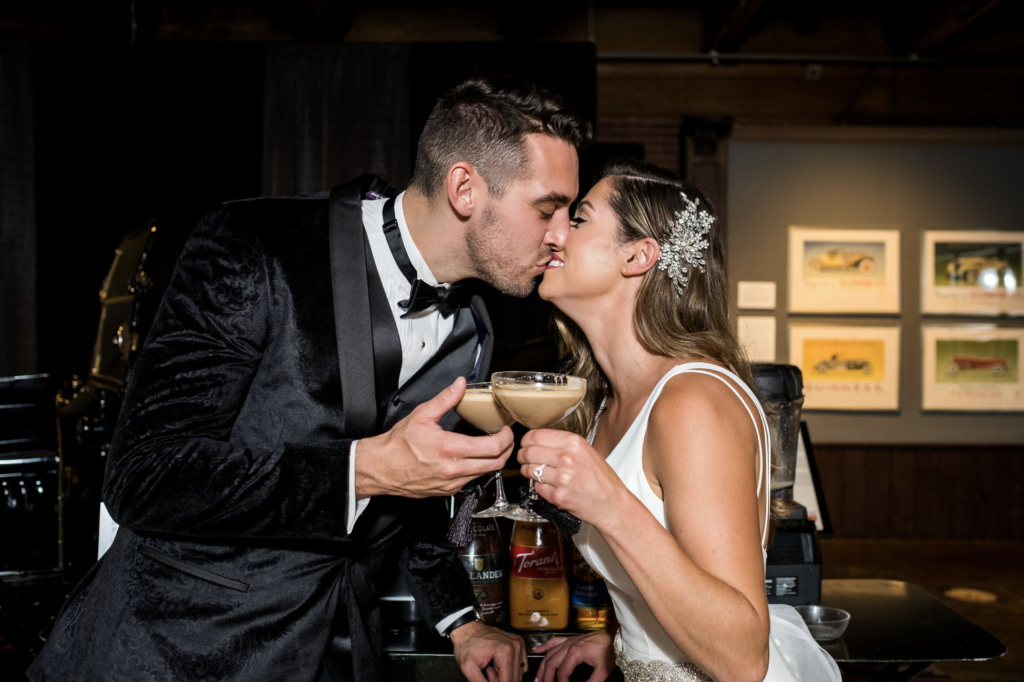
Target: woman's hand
[[563, 654], [574, 478]]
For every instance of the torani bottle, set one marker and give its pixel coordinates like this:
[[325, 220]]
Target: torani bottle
[[538, 582]]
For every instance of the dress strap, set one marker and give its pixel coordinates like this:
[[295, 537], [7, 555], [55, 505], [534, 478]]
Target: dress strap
[[764, 437]]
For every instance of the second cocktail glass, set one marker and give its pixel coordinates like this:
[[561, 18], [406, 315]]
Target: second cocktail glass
[[479, 408], [536, 400]]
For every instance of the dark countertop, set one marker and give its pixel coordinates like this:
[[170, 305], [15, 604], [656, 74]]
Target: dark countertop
[[891, 622]]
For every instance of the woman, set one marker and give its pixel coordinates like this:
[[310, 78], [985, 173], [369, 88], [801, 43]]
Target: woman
[[673, 482]]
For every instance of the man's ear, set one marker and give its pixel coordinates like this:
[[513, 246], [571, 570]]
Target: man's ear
[[641, 256], [464, 187]]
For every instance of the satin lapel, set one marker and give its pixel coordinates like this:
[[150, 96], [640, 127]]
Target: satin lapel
[[352, 303], [481, 372], [387, 344]]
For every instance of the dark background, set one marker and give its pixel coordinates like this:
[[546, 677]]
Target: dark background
[[167, 132]]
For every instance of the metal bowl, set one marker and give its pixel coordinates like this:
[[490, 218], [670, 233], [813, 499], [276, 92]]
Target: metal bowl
[[824, 622]]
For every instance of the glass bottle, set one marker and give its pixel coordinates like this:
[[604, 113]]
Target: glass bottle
[[538, 579], [591, 604], [486, 562]]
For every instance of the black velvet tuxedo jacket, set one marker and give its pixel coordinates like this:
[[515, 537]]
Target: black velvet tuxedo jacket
[[273, 349]]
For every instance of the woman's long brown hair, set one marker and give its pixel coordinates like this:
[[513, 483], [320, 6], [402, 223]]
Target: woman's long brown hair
[[693, 323]]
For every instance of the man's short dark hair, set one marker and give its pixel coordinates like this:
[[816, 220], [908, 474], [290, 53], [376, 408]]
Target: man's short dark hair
[[484, 121]]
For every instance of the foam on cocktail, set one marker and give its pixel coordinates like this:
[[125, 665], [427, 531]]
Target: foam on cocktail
[[479, 408], [538, 406]]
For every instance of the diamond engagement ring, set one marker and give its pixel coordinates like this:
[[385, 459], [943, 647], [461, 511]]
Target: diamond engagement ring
[[537, 472]]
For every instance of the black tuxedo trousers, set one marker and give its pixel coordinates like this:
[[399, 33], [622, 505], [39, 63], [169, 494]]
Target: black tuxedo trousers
[[229, 468]]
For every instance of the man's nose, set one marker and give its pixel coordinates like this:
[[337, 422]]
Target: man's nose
[[558, 232]]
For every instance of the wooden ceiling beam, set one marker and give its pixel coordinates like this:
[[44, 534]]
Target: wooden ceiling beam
[[941, 21], [725, 27], [314, 20]]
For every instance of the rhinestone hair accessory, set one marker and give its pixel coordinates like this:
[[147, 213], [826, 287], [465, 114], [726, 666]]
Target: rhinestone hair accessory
[[685, 243]]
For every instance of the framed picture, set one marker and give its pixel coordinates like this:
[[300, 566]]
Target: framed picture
[[972, 368], [844, 271], [847, 368], [972, 273]]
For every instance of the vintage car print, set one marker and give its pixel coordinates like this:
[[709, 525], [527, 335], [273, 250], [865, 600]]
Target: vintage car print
[[998, 366], [835, 259], [834, 363], [969, 268]]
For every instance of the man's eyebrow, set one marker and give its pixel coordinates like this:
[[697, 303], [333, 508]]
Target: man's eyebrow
[[552, 198]]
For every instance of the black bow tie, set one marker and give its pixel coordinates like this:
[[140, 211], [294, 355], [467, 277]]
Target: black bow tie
[[423, 296]]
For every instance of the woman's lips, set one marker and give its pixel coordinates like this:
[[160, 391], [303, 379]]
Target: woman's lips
[[555, 262]]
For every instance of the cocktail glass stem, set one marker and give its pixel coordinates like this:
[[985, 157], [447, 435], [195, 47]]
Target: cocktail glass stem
[[499, 487], [501, 504]]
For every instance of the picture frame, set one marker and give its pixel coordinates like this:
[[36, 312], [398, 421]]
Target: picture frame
[[847, 367], [972, 272], [972, 368], [841, 271]]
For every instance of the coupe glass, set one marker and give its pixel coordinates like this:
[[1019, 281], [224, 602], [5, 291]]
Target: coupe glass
[[479, 408], [536, 400]]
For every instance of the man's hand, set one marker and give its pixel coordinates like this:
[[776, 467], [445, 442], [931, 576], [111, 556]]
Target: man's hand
[[480, 648], [417, 458]]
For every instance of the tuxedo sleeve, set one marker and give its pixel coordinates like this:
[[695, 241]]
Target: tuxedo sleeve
[[173, 466], [431, 566]]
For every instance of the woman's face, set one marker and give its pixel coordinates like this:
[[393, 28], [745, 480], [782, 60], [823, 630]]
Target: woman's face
[[591, 263]]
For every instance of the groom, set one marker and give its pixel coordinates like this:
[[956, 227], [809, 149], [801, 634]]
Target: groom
[[286, 430]]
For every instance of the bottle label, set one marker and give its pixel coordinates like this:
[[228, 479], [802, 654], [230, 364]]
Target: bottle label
[[487, 575], [536, 562], [591, 594], [483, 568]]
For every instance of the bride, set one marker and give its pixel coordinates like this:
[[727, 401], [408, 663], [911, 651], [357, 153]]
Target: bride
[[672, 479]]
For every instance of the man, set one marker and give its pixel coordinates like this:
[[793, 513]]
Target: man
[[285, 430]]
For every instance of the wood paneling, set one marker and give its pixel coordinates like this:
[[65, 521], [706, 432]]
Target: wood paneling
[[924, 492]]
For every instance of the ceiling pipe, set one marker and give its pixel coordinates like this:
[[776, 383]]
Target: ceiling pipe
[[716, 58]]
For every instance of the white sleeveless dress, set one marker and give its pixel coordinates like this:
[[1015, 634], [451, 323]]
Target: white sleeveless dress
[[643, 650]]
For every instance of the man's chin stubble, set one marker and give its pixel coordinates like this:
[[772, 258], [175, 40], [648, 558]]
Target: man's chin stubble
[[510, 286]]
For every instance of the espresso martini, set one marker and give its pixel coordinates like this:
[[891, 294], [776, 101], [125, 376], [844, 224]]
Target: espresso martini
[[541, 405], [479, 409]]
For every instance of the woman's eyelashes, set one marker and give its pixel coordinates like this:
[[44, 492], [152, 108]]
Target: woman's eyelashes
[[577, 221]]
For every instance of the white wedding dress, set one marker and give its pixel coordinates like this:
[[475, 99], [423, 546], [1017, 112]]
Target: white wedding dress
[[643, 650]]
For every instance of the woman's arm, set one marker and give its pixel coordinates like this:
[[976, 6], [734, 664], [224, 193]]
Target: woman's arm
[[703, 576]]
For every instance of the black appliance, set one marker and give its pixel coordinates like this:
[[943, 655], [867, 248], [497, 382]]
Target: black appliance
[[793, 570], [87, 410], [28, 477]]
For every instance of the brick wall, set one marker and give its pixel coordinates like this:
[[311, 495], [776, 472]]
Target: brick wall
[[659, 136]]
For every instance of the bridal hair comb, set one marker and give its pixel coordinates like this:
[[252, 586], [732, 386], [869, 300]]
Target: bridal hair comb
[[685, 243]]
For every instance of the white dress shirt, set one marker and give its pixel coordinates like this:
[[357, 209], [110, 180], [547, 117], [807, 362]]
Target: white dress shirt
[[421, 335]]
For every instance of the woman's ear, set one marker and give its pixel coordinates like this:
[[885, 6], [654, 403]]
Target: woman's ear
[[463, 186], [642, 255]]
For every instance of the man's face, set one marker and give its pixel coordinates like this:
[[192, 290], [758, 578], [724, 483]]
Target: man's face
[[513, 242]]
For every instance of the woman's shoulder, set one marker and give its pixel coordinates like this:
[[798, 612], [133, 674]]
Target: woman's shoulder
[[703, 395]]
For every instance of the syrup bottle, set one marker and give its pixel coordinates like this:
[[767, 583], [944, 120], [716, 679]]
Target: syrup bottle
[[538, 582], [591, 604]]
